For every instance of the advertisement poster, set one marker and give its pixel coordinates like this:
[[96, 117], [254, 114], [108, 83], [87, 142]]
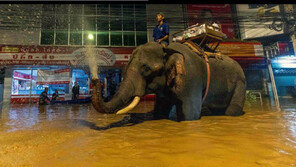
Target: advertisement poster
[[53, 77], [255, 20], [219, 13], [239, 49]]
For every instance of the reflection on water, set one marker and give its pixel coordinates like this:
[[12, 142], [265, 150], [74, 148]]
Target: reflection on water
[[76, 135]]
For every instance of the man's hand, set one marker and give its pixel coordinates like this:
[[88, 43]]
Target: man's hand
[[159, 40]]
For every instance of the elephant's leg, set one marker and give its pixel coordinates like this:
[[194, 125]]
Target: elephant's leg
[[189, 109], [162, 107], [236, 105]]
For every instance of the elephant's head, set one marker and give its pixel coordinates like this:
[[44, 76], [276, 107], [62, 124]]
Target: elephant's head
[[150, 69]]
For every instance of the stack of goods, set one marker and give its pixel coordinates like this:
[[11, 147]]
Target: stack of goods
[[196, 30]]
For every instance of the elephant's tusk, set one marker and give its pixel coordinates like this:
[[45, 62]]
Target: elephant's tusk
[[133, 104]]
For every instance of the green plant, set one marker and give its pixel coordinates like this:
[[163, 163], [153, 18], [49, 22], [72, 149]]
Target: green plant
[[250, 98]]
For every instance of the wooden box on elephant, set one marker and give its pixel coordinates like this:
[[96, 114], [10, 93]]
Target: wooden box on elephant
[[204, 35]]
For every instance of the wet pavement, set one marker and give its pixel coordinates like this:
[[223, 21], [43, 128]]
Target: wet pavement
[[76, 135]]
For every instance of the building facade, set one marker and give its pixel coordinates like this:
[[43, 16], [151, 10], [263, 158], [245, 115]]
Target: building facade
[[40, 42]]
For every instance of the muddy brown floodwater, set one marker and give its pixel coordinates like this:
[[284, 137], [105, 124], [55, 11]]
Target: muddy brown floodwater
[[76, 135]]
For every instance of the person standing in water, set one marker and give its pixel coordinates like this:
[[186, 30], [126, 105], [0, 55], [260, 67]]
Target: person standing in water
[[43, 99], [75, 91], [161, 30], [55, 96]]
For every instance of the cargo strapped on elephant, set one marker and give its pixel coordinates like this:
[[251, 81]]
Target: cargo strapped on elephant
[[202, 36]]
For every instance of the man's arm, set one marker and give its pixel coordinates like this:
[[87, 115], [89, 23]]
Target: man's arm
[[165, 37], [167, 32]]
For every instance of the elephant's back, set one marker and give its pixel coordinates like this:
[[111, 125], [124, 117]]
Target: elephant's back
[[226, 67]]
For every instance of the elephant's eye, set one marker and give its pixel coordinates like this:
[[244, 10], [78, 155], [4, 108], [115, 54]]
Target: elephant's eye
[[146, 70]]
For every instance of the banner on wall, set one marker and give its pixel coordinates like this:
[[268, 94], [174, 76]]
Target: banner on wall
[[53, 77], [256, 20], [68, 56], [219, 13], [241, 49]]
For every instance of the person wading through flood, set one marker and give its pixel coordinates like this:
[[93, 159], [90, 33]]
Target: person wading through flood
[[161, 30], [75, 91], [55, 96], [43, 99]]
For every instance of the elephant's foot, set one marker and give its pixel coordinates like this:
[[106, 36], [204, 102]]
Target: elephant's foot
[[159, 115], [205, 111], [234, 110]]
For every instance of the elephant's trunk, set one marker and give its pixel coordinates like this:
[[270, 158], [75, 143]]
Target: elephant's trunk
[[128, 89]]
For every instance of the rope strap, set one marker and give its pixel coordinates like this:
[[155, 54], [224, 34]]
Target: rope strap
[[208, 68]]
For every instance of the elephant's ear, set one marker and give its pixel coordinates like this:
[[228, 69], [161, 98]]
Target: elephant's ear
[[175, 68]]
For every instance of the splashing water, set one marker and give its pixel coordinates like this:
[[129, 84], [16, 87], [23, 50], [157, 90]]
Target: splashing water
[[92, 62]]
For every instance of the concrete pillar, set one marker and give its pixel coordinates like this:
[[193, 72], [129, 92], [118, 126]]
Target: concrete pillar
[[7, 86], [274, 90]]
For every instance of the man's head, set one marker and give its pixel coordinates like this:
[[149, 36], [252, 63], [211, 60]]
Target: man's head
[[159, 16], [56, 91], [46, 89], [76, 83]]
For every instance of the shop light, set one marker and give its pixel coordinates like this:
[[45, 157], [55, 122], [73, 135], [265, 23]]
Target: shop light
[[288, 61], [90, 36]]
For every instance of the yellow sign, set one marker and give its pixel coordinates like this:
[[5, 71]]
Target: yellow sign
[[9, 49]]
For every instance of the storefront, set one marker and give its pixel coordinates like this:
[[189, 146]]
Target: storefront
[[29, 69]]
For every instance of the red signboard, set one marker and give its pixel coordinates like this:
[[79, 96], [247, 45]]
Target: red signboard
[[20, 75], [285, 48], [219, 13]]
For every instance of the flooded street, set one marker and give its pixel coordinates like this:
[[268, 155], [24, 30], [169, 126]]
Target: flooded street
[[76, 135]]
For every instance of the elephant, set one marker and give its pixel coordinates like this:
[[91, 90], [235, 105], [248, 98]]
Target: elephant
[[178, 77]]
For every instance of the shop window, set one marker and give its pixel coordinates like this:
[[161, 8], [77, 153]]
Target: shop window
[[103, 23], [82, 78], [48, 22], [128, 24], [76, 38], [61, 37], [47, 37], [21, 82], [51, 81], [141, 25], [141, 38], [116, 38], [103, 9], [90, 9], [31, 83], [71, 23], [62, 22], [103, 38], [115, 24], [89, 38], [129, 38], [128, 17], [115, 9], [89, 23]]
